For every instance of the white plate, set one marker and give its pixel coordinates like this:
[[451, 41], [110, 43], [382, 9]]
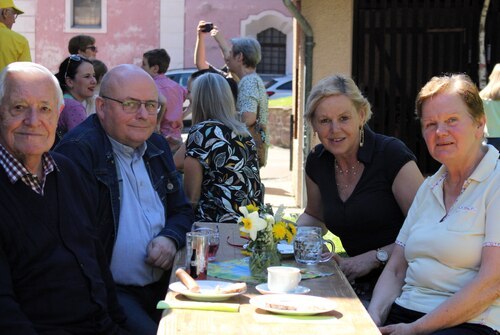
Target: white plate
[[264, 289], [207, 290], [292, 304], [285, 248]]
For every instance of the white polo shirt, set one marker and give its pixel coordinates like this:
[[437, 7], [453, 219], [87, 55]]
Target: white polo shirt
[[444, 251]]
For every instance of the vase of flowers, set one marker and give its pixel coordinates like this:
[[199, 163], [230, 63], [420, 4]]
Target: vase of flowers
[[264, 230]]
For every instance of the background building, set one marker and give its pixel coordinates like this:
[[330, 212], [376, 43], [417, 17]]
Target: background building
[[124, 29]]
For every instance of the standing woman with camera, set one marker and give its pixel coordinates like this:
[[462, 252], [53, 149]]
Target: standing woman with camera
[[251, 104], [76, 77]]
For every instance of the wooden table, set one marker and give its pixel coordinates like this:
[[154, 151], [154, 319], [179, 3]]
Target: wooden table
[[349, 318]]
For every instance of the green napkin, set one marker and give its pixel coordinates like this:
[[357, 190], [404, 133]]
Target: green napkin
[[204, 306]]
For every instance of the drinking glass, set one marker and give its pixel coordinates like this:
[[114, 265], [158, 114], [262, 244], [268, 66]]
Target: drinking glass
[[211, 229], [197, 254], [308, 246]]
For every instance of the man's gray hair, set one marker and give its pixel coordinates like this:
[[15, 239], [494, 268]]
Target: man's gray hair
[[29, 67]]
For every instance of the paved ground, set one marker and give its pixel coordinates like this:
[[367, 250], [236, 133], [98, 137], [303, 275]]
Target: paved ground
[[277, 178]]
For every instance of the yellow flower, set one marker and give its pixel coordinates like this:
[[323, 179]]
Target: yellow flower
[[289, 237], [279, 230], [251, 222], [292, 228]]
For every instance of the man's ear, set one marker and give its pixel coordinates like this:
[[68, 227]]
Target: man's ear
[[99, 106]]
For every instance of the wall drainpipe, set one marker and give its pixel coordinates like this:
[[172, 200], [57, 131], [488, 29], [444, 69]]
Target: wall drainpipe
[[308, 53]]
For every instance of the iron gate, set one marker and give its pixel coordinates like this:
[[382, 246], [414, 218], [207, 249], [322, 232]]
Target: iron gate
[[400, 44]]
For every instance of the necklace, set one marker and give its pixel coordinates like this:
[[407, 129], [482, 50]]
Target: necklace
[[350, 170], [349, 175]]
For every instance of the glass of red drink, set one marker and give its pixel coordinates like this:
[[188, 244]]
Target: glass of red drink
[[211, 229]]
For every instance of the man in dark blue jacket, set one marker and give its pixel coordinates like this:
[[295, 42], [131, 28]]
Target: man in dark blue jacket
[[143, 214], [54, 278]]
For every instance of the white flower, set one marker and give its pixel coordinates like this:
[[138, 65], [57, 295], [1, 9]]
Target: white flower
[[252, 222]]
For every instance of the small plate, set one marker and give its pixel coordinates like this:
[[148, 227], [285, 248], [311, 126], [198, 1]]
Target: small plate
[[292, 304], [207, 290], [285, 249], [263, 289]]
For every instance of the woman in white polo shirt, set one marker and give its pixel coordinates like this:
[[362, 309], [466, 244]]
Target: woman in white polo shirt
[[443, 276]]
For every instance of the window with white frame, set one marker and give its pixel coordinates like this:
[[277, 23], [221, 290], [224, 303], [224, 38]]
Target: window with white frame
[[86, 16]]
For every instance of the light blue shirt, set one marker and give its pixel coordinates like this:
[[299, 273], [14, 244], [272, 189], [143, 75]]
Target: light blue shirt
[[142, 216]]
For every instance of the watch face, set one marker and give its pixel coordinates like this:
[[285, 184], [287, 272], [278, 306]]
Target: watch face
[[382, 255]]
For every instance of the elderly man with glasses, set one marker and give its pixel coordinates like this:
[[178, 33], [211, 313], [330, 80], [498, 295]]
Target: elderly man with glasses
[[143, 213], [14, 47]]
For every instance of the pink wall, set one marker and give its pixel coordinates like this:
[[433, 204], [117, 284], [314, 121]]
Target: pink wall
[[132, 29], [227, 15]]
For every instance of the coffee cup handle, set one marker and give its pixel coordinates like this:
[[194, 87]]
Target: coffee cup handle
[[325, 257]]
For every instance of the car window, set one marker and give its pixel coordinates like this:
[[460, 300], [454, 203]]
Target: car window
[[285, 86]]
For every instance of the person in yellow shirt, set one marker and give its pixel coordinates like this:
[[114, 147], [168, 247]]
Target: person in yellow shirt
[[15, 46]]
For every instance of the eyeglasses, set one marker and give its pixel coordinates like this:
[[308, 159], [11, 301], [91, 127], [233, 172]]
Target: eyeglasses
[[131, 106], [14, 13], [74, 58], [92, 47]]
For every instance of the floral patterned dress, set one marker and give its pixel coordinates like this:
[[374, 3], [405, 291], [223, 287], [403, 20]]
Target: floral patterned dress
[[230, 171]]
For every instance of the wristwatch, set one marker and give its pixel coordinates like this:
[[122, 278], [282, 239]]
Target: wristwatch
[[382, 256]]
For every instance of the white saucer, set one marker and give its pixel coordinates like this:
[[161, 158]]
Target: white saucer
[[263, 289]]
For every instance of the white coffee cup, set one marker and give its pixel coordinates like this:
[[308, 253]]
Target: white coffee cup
[[282, 279]]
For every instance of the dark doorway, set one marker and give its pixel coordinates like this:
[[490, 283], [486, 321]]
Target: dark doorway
[[400, 44]]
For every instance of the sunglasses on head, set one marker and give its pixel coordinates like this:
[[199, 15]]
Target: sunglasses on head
[[74, 58]]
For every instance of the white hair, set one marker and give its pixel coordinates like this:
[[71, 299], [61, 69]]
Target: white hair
[[29, 67]]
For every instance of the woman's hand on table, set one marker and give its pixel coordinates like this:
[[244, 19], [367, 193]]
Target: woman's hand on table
[[358, 266], [399, 329]]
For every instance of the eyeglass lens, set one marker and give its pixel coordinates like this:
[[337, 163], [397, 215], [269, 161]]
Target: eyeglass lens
[[131, 106]]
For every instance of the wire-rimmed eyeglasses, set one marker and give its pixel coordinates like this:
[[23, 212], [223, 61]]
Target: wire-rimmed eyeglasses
[[131, 106]]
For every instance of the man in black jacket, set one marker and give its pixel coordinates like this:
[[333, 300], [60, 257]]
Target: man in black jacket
[[54, 278], [143, 213]]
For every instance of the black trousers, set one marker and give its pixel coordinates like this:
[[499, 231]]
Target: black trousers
[[400, 314]]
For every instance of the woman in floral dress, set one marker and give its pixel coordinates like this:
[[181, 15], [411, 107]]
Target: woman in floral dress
[[221, 172]]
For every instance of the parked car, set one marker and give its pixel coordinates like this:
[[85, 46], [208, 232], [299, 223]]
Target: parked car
[[279, 87], [180, 76]]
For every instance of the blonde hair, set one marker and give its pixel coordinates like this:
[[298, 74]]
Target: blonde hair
[[212, 99], [337, 85], [492, 90]]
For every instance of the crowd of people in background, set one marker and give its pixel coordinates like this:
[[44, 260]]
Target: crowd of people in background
[[99, 189]]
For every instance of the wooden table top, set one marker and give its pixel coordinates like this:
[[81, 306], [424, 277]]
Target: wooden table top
[[350, 317]]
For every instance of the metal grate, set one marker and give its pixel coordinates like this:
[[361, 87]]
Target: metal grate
[[400, 44], [273, 44]]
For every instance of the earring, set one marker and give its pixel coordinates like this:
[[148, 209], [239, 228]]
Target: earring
[[361, 136]]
